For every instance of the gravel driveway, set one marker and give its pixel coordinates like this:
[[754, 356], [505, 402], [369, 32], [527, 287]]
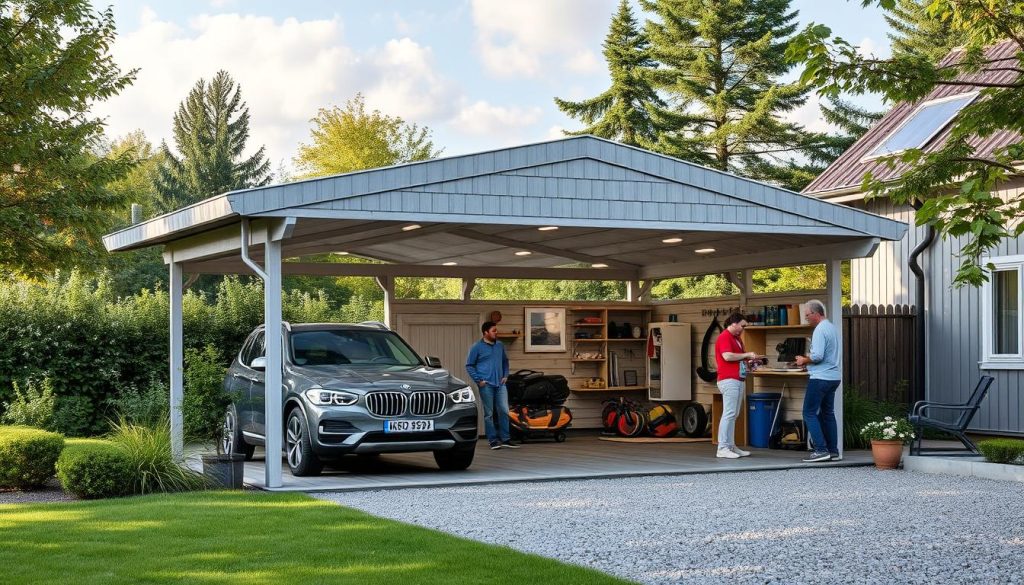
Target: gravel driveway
[[839, 525]]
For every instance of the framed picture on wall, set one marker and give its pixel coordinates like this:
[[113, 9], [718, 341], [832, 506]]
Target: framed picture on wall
[[545, 329]]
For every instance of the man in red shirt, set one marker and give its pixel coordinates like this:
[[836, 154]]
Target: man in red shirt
[[732, 369]]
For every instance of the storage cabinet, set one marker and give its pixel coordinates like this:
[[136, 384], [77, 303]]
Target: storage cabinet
[[601, 350], [669, 370]]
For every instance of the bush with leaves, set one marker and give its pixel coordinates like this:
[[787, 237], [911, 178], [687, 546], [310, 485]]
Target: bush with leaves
[[205, 398], [93, 468], [148, 406], [859, 411], [1002, 450], [33, 407], [27, 456]]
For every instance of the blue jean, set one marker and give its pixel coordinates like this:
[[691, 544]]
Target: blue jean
[[820, 415], [495, 400]]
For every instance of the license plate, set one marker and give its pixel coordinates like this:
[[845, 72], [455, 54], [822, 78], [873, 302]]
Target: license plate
[[408, 426]]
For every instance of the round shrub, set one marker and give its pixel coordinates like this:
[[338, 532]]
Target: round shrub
[[1002, 450], [91, 468], [27, 456]]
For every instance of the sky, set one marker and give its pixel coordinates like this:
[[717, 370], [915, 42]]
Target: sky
[[481, 74]]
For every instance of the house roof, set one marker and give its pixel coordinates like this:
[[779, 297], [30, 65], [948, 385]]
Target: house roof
[[845, 174], [612, 204]]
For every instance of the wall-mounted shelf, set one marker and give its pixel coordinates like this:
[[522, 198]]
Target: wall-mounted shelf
[[778, 327], [588, 360], [620, 339], [582, 339], [610, 389]]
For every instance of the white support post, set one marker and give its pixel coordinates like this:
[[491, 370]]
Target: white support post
[[637, 291], [387, 284], [833, 286], [273, 408], [177, 365]]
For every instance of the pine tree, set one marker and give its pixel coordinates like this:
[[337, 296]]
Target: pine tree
[[211, 128], [721, 61], [621, 112], [915, 32]]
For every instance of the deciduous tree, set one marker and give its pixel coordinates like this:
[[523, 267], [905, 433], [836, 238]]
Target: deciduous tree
[[54, 65], [346, 139]]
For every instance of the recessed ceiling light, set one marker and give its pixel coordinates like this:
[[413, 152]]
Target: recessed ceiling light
[[341, 253], [411, 227], [523, 253], [548, 228], [450, 264], [704, 250], [672, 240], [599, 265]]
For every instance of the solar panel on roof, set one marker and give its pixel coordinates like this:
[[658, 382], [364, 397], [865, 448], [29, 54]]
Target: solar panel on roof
[[925, 123]]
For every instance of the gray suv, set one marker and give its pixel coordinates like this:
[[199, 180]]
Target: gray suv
[[351, 389]]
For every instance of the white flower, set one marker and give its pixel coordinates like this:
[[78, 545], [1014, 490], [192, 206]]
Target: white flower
[[903, 436], [888, 418]]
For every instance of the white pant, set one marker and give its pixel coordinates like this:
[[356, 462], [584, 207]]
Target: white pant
[[732, 401]]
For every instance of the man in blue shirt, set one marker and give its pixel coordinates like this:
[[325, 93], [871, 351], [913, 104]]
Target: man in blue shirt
[[487, 365], [824, 364]]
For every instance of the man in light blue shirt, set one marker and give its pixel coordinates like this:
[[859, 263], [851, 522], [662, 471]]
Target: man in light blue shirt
[[825, 366], [487, 365]]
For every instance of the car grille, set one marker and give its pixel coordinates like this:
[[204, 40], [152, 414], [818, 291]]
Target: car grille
[[386, 403], [427, 403]]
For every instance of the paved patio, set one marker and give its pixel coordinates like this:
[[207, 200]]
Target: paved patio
[[582, 456]]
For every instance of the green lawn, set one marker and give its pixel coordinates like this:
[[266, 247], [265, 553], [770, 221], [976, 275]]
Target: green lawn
[[248, 537]]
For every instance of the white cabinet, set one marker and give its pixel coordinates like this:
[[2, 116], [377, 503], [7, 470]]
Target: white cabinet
[[669, 371]]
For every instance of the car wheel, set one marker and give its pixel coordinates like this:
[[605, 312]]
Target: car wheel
[[232, 441], [454, 459], [298, 448], [695, 420], [560, 437]]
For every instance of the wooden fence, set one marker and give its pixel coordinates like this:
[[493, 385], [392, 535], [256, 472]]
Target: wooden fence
[[879, 351]]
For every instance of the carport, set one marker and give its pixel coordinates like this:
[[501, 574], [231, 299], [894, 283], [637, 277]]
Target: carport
[[579, 208]]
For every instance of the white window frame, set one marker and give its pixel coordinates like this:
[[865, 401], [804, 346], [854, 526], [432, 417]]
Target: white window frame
[[990, 360], [870, 157]]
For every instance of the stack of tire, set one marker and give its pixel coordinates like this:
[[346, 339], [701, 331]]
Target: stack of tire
[[536, 405]]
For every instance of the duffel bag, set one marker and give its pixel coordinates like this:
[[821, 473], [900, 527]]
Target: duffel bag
[[540, 419]]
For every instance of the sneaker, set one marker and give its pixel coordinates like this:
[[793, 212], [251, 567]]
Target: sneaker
[[727, 454], [835, 457], [495, 446], [510, 445], [740, 452], [816, 457]]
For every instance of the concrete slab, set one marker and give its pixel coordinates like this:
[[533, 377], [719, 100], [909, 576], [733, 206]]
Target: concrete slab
[[964, 466], [580, 457]]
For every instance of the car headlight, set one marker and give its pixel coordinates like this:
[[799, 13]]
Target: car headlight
[[323, 397], [462, 395]]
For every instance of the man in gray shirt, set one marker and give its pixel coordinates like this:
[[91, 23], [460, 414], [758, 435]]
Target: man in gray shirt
[[824, 364]]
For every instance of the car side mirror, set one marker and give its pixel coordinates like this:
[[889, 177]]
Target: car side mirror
[[259, 363], [432, 362]]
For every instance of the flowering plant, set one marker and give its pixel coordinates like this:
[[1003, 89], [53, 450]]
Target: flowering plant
[[889, 429]]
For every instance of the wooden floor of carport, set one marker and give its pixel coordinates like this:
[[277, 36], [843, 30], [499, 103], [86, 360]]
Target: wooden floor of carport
[[582, 456]]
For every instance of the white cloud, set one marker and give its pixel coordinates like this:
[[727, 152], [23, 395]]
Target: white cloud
[[555, 132], [287, 69], [484, 119], [870, 48], [524, 38], [809, 115]]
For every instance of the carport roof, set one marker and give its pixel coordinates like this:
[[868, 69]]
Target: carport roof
[[612, 203]]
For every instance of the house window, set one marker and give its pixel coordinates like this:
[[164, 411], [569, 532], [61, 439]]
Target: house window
[[921, 126], [1001, 319]]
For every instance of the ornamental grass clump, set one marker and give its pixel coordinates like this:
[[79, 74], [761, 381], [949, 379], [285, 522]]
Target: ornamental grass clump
[[1003, 450], [888, 429], [149, 453]]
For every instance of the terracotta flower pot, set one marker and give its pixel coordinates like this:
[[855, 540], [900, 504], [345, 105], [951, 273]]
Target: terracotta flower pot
[[887, 454]]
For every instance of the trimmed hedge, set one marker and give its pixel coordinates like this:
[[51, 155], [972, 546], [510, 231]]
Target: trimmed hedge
[[27, 456], [1002, 450], [92, 468]]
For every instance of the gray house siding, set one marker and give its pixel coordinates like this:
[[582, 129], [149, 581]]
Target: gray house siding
[[954, 319]]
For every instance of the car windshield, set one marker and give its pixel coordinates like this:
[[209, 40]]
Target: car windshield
[[336, 347]]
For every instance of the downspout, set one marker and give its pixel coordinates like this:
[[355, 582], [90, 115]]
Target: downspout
[[245, 252], [922, 356]]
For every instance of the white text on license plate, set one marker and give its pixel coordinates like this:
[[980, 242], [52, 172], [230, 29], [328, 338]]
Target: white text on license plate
[[408, 426]]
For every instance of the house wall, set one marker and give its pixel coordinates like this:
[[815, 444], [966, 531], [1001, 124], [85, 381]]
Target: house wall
[[953, 318], [586, 407]]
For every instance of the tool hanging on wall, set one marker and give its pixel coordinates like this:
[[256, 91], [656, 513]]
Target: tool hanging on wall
[[708, 370]]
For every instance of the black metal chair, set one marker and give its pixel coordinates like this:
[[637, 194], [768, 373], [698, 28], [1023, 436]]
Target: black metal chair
[[920, 419]]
